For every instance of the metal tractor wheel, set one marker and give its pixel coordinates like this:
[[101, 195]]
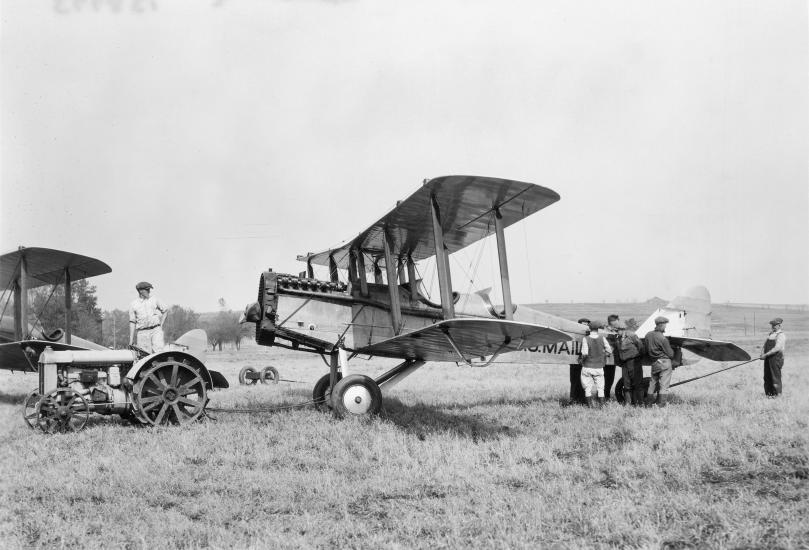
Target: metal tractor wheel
[[29, 408], [321, 395], [248, 376], [356, 395], [62, 410], [170, 392], [269, 375]]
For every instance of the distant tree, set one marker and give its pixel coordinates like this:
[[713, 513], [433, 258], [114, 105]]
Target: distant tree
[[48, 307], [224, 328], [179, 321], [115, 329]]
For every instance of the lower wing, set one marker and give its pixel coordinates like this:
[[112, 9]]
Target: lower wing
[[465, 339]]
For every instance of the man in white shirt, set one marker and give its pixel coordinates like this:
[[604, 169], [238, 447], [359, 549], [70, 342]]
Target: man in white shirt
[[773, 356], [146, 316]]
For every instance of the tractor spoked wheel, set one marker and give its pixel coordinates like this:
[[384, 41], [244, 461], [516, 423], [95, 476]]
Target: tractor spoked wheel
[[62, 410], [269, 375], [321, 395], [29, 408], [247, 376], [170, 392], [356, 395]]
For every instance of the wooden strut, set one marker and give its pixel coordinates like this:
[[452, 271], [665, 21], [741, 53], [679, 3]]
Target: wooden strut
[[442, 263]]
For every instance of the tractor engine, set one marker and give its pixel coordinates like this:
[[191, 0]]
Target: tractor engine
[[95, 375]]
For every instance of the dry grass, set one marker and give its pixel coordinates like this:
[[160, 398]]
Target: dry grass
[[459, 458]]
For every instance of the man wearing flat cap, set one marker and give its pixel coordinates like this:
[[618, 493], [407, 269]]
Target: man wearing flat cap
[[576, 389], [773, 356], [659, 350], [146, 316], [594, 353]]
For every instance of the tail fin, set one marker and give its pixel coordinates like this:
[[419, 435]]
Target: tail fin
[[689, 315], [689, 327]]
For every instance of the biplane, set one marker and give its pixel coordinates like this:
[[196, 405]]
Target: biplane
[[78, 377], [22, 341], [378, 308]]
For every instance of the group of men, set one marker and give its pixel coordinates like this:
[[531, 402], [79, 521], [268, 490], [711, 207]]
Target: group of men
[[627, 349]]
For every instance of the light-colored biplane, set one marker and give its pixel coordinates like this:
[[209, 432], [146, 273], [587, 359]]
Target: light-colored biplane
[[379, 310]]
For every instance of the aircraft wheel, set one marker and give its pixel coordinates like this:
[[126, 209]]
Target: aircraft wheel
[[171, 392], [243, 376], [269, 375], [29, 408], [321, 395], [356, 395], [62, 410]]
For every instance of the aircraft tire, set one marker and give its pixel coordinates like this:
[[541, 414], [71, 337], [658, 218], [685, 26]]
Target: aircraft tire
[[269, 375], [243, 376], [321, 394], [356, 395]]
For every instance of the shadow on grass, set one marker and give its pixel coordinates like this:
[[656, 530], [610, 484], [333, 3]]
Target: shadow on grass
[[422, 420], [12, 398]]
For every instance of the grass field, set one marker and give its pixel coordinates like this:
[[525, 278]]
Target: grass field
[[486, 458]]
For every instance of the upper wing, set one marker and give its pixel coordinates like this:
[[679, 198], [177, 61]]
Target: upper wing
[[46, 266], [462, 339], [466, 205], [715, 350]]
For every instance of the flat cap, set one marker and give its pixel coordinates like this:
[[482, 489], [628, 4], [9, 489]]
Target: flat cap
[[584, 321], [595, 325], [632, 324], [776, 321], [660, 320], [143, 285]]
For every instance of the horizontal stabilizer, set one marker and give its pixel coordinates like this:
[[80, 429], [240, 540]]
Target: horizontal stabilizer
[[23, 355], [715, 350], [464, 339]]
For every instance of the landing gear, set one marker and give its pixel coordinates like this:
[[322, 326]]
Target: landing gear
[[62, 410], [356, 395], [321, 395], [248, 376], [269, 375], [170, 392]]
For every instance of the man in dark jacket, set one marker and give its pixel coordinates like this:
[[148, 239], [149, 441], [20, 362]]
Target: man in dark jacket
[[659, 351], [612, 337], [630, 351]]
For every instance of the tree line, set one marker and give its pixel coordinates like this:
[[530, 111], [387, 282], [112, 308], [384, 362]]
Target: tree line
[[111, 328]]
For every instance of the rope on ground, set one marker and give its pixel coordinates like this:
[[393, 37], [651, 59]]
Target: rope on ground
[[266, 409]]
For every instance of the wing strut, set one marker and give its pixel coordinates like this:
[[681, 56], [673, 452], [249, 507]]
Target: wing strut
[[68, 304], [442, 263], [393, 285], [501, 256], [21, 299]]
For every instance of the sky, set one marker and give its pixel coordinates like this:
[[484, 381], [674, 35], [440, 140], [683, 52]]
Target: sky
[[194, 144]]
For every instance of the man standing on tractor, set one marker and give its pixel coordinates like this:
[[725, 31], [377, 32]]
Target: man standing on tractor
[[146, 316]]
